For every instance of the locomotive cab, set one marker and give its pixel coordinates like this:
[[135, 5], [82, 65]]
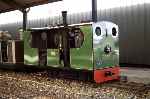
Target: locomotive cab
[[60, 38]]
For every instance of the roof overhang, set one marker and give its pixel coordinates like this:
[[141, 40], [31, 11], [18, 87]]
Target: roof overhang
[[10, 5]]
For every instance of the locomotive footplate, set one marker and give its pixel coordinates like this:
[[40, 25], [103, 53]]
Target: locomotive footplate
[[71, 73]]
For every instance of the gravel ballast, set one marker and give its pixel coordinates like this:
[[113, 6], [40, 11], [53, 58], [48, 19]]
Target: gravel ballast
[[39, 86]]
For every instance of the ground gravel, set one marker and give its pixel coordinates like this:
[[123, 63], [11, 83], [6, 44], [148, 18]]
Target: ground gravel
[[14, 85]]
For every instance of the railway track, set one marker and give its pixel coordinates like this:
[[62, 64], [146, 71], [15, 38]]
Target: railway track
[[33, 84], [139, 89]]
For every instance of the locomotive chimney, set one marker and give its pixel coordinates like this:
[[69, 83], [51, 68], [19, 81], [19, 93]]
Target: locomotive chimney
[[64, 15]]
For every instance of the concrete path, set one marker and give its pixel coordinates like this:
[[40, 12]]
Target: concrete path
[[140, 75]]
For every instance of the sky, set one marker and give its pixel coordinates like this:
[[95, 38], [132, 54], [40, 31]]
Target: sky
[[72, 6]]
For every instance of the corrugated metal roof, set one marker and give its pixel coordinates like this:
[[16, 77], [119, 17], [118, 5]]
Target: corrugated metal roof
[[10, 5]]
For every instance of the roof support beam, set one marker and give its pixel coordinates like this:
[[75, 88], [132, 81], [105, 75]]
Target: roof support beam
[[24, 20], [25, 14], [94, 10], [66, 45]]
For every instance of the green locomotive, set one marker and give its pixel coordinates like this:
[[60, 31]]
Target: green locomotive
[[87, 46]]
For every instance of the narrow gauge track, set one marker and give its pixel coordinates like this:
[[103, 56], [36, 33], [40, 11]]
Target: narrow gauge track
[[137, 88], [38, 71], [41, 78]]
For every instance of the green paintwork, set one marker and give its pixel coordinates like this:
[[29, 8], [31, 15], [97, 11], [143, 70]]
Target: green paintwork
[[30, 54], [53, 57], [81, 58], [106, 60], [101, 59]]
